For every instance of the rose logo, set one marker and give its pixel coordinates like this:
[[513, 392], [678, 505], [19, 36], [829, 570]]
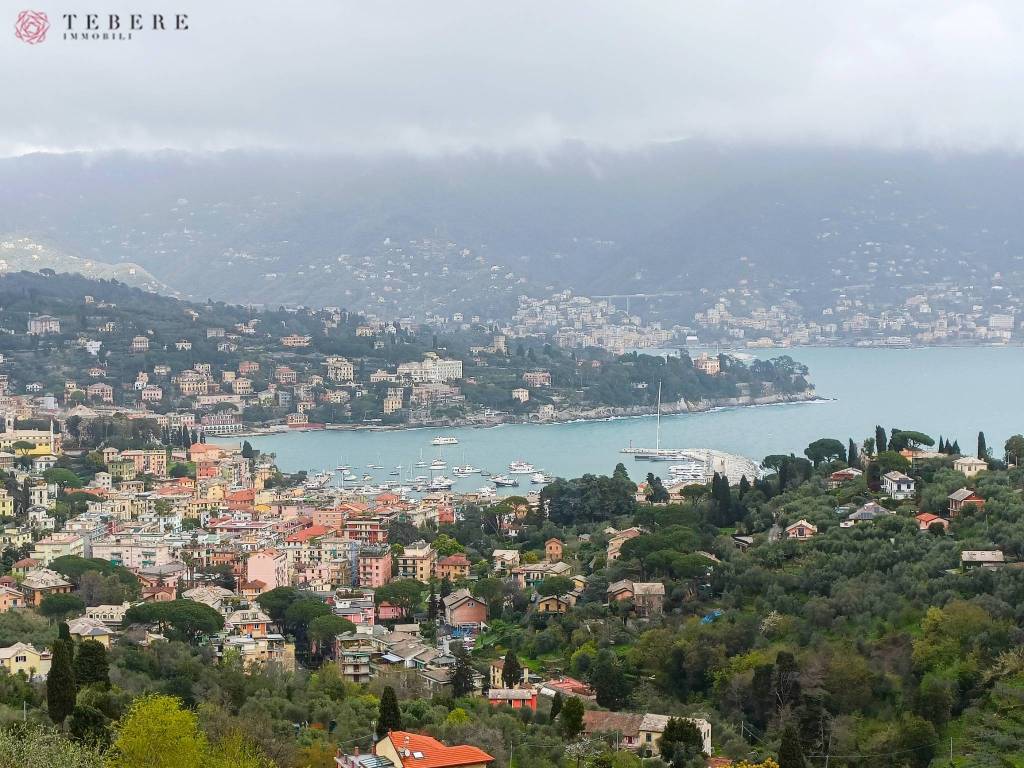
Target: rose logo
[[31, 26]]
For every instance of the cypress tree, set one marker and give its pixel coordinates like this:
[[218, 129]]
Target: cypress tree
[[851, 453], [790, 753], [64, 631], [462, 674], [556, 705], [881, 441], [61, 689], [512, 671], [91, 664], [955, 450], [942, 445], [982, 446], [389, 716], [744, 486]]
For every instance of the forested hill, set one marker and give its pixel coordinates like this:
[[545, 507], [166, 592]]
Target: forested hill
[[475, 231]]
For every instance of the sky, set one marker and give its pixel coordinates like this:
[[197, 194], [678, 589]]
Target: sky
[[442, 76]]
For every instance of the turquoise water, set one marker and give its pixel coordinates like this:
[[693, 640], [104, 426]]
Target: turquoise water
[[950, 391]]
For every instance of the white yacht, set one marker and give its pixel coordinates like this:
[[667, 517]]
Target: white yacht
[[440, 483], [540, 478], [465, 470], [520, 467], [505, 481], [444, 440], [318, 480], [438, 464], [422, 462]]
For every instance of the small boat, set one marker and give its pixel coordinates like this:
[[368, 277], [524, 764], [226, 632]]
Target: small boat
[[348, 477], [396, 472], [504, 481], [438, 464], [465, 470], [485, 473], [520, 467], [344, 467], [539, 478], [422, 462], [367, 478], [420, 479], [444, 440], [318, 480]]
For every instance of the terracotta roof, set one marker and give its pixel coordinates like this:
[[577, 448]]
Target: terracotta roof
[[624, 723], [310, 533], [434, 753]]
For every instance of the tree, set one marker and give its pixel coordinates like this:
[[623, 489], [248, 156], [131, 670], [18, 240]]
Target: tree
[[61, 689], [512, 670], [247, 450], [404, 593], [790, 753], [389, 716], [463, 682], [608, 680], [881, 440], [59, 606], [825, 449], [680, 742], [556, 705], [157, 732], [91, 665], [34, 746], [323, 629], [276, 601], [851, 454], [982, 446], [87, 724], [1014, 450], [571, 718], [189, 620]]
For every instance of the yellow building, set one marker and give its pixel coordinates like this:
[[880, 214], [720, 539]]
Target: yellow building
[[22, 657], [416, 562]]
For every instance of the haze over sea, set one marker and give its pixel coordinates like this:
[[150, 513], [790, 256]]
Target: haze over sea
[[953, 391]]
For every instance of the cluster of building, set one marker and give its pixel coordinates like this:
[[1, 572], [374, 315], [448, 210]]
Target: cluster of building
[[940, 315]]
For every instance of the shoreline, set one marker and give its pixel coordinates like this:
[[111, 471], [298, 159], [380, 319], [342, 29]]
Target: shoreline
[[598, 413]]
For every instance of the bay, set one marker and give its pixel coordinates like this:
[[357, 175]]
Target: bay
[[952, 391]]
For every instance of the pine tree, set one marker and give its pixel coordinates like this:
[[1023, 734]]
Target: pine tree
[[389, 716], [982, 446], [61, 690], [512, 671], [462, 673], [91, 664]]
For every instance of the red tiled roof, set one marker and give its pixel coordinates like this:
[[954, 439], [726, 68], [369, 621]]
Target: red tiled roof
[[456, 559], [309, 533], [435, 754]]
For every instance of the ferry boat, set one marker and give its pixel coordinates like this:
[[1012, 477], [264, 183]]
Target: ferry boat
[[504, 481], [539, 478], [520, 467], [444, 440]]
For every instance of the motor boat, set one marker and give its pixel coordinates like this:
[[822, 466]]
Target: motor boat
[[438, 464], [539, 478], [440, 483], [444, 440], [504, 481], [520, 467]]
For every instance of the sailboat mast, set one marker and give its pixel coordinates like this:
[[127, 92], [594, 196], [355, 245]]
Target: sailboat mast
[[657, 439]]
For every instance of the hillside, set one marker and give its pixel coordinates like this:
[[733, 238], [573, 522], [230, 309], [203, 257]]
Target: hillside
[[402, 236]]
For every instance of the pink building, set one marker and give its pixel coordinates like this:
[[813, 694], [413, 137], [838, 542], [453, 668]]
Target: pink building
[[374, 567], [389, 612], [269, 566]]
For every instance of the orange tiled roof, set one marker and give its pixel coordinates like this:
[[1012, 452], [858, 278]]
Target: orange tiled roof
[[309, 533], [435, 754]]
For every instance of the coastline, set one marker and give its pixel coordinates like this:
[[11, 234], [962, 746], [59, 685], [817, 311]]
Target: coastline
[[598, 413]]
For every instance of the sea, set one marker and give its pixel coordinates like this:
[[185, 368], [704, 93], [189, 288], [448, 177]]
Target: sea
[[950, 391]]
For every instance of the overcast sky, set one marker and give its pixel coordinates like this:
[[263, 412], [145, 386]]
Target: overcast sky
[[446, 75]]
